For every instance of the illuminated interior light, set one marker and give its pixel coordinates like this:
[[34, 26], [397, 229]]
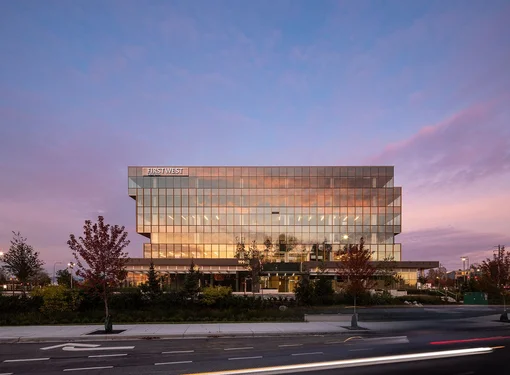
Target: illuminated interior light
[[206, 218], [345, 236], [279, 218], [170, 217], [299, 218], [217, 218], [357, 217], [345, 218], [334, 217], [193, 216], [322, 218], [310, 218], [184, 218]]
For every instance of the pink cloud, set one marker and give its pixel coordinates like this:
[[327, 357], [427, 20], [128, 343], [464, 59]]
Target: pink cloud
[[449, 244], [468, 145]]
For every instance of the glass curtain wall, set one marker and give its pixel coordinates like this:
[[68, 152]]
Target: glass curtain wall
[[292, 213]]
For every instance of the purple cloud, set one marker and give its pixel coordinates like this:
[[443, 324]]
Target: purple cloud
[[472, 144], [449, 244]]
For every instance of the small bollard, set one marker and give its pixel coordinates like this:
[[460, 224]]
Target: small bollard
[[504, 317], [354, 321]]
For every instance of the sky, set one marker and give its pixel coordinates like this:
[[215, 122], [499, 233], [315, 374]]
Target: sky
[[90, 87]]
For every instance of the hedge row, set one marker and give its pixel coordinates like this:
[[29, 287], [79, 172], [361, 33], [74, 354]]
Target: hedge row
[[154, 316]]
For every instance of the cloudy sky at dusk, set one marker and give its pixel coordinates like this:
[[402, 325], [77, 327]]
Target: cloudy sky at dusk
[[90, 87]]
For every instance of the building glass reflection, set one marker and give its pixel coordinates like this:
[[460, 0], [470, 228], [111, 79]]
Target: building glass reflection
[[306, 213]]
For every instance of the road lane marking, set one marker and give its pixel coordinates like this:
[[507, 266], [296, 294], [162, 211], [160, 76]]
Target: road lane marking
[[106, 355], [244, 348], [236, 358], [359, 350], [171, 363], [26, 360], [352, 338], [346, 363], [308, 353], [88, 368], [178, 352], [70, 344], [288, 345], [73, 349]]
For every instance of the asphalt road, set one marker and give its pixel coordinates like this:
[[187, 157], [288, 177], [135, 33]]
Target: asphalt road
[[427, 313], [186, 356]]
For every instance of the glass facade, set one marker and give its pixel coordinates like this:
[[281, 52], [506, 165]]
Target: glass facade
[[293, 214]]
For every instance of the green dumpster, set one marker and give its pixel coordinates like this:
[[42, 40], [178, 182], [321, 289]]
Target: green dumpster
[[475, 298]]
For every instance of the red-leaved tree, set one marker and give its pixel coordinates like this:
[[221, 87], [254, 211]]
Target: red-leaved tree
[[355, 268], [100, 257]]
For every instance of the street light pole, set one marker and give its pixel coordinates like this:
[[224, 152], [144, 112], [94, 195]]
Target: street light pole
[[71, 265], [54, 275]]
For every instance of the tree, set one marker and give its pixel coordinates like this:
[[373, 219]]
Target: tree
[[268, 249], [437, 276], [21, 261], [191, 286], [495, 274], [99, 256], [323, 288], [152, 287], [64, 278], [304, 290], [253, 261], [386, 272], [355, 266], [41, 278]]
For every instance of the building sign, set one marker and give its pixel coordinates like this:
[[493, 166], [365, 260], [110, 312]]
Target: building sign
[[164, 171]]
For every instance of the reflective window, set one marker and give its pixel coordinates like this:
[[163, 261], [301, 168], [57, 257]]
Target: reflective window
[[202, 214]]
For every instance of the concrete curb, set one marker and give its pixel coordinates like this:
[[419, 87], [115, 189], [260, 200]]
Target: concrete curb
[[13, 340]]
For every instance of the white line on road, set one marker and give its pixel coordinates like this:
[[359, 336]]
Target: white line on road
[[106, 355], [246, 347], [87, 368], [73, 349], [179, 352], [308, 353], [236, 358], [70, 344], [359, 350], [26, 360], [171, 363], [288, 345]]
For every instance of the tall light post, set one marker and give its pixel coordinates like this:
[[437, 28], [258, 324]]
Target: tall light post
[[464, 274], [71, 266], [54, 275], [2, 259]]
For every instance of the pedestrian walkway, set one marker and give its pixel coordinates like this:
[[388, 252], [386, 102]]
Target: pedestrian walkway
[[161, 331]]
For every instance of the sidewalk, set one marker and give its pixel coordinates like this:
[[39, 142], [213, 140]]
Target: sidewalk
[[12, 334]]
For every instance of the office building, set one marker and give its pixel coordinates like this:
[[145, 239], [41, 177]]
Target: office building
[[293, 216]]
